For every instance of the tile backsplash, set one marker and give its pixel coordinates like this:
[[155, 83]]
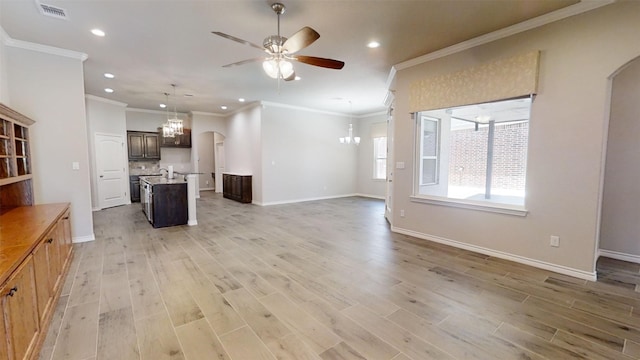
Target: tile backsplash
[[144, 167]]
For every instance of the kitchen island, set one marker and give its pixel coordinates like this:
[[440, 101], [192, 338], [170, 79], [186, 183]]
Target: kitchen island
[[164, 201]]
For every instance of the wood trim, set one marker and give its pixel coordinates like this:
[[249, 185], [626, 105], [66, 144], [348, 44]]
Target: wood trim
[[10, 114], [15, 179]]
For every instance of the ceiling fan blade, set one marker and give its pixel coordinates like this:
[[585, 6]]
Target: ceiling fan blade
[[322, 62], [238, 40], [300, 40], [244, 62]]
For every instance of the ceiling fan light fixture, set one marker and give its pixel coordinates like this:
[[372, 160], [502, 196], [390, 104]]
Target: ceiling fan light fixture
[[270, 67], [278, 68]]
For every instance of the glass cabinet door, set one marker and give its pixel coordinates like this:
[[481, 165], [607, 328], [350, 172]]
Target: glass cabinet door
[[6, 153], [22, 150]]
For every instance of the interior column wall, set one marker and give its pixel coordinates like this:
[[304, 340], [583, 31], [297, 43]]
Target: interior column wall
[[36, 79]]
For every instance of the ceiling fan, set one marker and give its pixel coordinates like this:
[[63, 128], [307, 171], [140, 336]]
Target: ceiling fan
[[277, 64]]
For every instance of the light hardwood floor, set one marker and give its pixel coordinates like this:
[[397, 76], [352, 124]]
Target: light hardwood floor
[[324, 280]]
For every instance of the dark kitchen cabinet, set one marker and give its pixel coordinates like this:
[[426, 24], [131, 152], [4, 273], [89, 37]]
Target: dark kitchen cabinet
[[179, 141], [134, 188], [170, 205], [237, 187], [143, 145]]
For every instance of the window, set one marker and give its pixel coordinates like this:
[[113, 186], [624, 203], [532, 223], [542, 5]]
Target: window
[[380, 158], [474, 153], [428, 151]]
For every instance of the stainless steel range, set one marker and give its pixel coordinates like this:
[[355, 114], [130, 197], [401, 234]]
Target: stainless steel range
[[146, 198]]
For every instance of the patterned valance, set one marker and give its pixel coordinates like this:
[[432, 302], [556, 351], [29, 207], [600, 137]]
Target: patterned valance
[[502, 79]]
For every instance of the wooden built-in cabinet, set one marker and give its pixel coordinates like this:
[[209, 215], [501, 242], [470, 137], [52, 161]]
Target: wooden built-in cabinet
[[37, 250], [15, 161], [237, 187], [143, 145]]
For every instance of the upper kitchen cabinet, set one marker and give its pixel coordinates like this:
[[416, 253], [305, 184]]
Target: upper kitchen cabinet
[[179, 141], [143, 145]]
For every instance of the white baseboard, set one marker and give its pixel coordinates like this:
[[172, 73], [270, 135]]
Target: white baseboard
[[206, 189], [96, 209], [81, 239], [303, 200], [619, 256], [371, 196], [581, 274], [192, 222]]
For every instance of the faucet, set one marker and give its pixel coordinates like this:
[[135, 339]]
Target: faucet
[[160, 170]]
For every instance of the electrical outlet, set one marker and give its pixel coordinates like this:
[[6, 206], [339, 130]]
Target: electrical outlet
[[554, 241], [207, 182], [402, 213]]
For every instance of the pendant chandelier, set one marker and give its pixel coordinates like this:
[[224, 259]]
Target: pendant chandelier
[[350, 139], [173, 126]]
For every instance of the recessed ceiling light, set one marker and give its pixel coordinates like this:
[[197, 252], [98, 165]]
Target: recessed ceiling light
[[297, 78], [163, 105], [241, 99], [108, 90], [373, 44], [223, 107], [109, 75], [98, 32]]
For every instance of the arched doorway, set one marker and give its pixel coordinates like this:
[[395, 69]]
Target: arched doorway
[[619, 226], [210, 161]]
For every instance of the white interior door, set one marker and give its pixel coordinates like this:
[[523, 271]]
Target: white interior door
[[110, 168], [219, 161]]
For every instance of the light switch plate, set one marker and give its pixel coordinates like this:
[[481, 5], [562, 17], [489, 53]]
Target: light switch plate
[[400, 165], [75, 165]]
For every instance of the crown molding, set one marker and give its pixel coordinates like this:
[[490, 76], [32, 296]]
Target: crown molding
[[579, 8], [3, 36], [157, 112], [302, 108], [25, 45], [377, 113], [103, 100], [204, 113]]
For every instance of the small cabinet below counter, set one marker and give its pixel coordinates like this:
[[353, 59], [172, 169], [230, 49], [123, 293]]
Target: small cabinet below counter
[[237, 187], [134, 188]]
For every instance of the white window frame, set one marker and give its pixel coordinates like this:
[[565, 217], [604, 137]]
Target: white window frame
[[417, 197], [379, 156], [423, 157]]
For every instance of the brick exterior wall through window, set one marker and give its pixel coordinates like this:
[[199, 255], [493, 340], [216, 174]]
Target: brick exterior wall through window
[[468, 161]]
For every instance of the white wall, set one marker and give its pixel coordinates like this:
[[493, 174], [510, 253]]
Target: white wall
[[565, 145], [243, 147], [366, 185], [302, 158], [4, 83], [202, 123], [205, 159], [151, 120], [105, 117], [620, 228], [50, 89]]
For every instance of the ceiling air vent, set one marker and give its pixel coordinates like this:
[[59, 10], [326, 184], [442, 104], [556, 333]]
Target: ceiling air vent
[[53, 11]]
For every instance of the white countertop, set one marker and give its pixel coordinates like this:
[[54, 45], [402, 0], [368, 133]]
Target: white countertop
[[156, 180]]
